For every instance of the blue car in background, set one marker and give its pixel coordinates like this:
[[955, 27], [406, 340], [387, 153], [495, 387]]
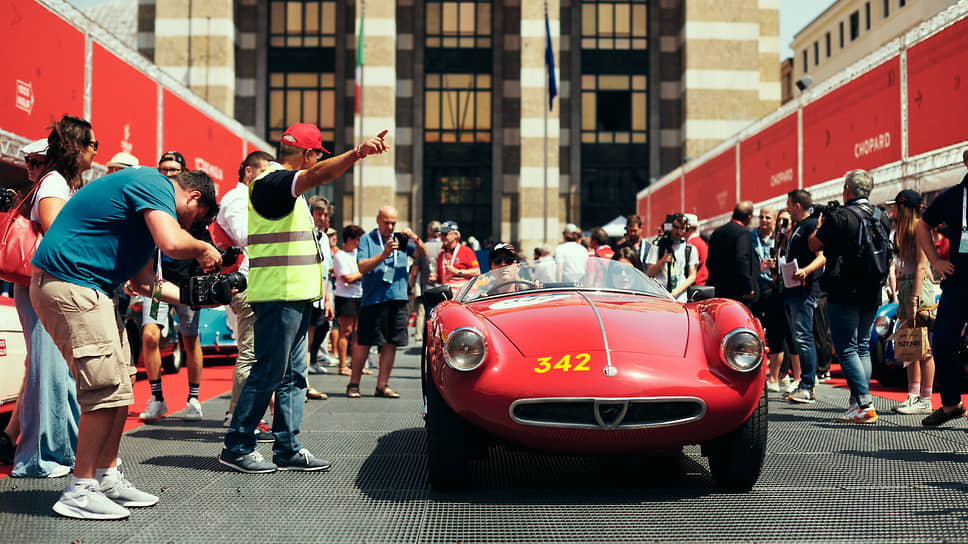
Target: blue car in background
[[214, 333]]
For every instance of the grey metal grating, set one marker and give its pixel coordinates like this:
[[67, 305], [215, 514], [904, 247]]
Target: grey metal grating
[[821, 482]]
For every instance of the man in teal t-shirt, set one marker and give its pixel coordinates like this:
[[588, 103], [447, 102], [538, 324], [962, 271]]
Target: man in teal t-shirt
[[105, 235]]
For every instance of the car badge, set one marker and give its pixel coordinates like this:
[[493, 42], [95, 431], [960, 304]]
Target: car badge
[[609, 414]]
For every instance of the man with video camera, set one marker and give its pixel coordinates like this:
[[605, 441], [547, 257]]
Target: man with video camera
[[853, 238], [671, 260]]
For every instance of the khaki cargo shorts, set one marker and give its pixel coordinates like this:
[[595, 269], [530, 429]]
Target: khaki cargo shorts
[[86, 327]]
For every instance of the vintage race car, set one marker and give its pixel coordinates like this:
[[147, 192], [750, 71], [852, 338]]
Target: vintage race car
[[608, 364]]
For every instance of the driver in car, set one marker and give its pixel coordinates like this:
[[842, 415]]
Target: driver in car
[[504, 271]]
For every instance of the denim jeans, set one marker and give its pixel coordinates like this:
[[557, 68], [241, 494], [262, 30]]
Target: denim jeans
[[280, 330], [850, 329], [48, 408], [799, 307], [952, 316]]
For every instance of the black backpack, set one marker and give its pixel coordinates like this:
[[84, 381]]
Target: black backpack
[[873, 245]]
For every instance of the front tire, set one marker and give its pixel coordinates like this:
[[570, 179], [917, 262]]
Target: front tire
[[736, 459], [446, 443]]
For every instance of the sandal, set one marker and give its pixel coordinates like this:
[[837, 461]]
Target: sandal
[[345, 371], [367, 372], [353, 391], [386, 392], [312, 393]]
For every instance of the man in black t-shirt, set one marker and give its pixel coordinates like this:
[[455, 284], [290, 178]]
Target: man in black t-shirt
[[852, 295], [949, 208], [800, 295]]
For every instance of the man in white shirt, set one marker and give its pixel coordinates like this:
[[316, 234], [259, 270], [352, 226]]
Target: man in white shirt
[[571, 256], [544, 268], [682, 260]]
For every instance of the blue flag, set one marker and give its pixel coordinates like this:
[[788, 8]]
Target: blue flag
[[550, 63]]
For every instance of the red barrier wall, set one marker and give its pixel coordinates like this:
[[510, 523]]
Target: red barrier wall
[[711, 187], [666, 200], [768, 161], [938, 90], [124, 109]]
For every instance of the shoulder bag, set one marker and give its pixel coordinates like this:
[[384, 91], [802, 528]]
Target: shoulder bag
[[19, 238]]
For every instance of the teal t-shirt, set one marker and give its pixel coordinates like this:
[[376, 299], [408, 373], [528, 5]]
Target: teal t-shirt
[[100, 238]]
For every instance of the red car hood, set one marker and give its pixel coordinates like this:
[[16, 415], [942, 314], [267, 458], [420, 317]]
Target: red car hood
[[565, 322]]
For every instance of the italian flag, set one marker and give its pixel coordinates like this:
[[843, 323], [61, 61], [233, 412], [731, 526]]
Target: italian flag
[[359, 63]]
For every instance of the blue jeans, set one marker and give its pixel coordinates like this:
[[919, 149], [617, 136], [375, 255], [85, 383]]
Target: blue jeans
[[48, 407], [952, 317], [850, 329], [280, 330], [799, 306]]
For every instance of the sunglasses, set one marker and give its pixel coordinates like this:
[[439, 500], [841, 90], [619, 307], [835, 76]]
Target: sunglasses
[[504, 259], [94, 144], [169, 171], [35, 163]]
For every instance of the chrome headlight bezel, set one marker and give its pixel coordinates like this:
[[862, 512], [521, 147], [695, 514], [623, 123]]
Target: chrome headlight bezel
[[457, 361], [882, 325], [728, 353]]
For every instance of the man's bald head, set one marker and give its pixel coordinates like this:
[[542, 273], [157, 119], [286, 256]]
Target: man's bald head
[[743, 212]]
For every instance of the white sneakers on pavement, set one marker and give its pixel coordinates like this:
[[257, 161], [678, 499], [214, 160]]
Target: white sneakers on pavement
[[914, 405], [83, 499], [193, 410], [117, 488], [154, 410]]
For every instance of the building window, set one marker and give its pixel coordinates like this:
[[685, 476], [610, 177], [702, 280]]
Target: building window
[[827, 43], [854, 25], [302, 23], [458, 25], [867, 16], [841, 34], [614, 109], [901, 3], [301, 98], [607, 24], [887, 8], [816, 53], [805, 69], [457, 108]]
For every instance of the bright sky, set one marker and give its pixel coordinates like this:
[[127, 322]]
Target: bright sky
[[794, 15]]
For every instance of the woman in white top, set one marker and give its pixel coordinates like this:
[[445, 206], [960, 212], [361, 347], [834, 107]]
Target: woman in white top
[[348, 292], [48, 407]]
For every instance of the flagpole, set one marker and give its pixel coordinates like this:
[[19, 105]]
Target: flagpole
[[544, 167], [359, 136]]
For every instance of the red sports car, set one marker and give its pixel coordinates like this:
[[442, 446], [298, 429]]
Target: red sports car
[[608, 364]]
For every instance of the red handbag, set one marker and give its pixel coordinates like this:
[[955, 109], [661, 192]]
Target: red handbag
[[19, 238]]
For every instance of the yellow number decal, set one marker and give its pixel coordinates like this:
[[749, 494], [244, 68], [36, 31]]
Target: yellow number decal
[[583, 359], [563, 364], [544, 365]]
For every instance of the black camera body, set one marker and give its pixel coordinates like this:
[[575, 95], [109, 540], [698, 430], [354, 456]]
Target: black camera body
[[402, 240], [8, 199], [214, 288], [816, 210], [665, 241]]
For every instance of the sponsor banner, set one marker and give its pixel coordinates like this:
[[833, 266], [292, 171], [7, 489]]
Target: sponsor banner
[[206, 145], [938, 90], [855, 126], [768, 161], [43, 70], [124, 109], [665, 200], [711, 186]]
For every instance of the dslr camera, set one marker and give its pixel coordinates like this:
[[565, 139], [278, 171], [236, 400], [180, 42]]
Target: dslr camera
[[215, 288], [665, 241], [817, 209], [8, 199], [402, 240]]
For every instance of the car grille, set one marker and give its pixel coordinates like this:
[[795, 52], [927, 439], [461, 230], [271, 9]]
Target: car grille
[[591, 413]]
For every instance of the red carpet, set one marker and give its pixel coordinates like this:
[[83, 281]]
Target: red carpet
[[216, 380]]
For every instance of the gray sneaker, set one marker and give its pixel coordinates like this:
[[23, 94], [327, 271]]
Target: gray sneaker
[[301, 460], [84, 500], [251, 463], [802, 395], [117, 488]]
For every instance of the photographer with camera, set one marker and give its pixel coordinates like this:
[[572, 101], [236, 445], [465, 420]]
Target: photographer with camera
[[671, 260], [733, 266], [854, 239]]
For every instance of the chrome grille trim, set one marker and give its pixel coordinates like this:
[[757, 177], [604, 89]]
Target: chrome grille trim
[[606, 421]]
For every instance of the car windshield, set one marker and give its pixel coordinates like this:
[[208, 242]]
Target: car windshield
[[599, 274]]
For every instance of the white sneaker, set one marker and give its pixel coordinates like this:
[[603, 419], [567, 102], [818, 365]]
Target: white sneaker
[[59, 472], [227, 421], [909, 401], [193, 410], [82, 499], [117, 488], [786, 380], [791, 387], [919, 406], [154, 410], [773, 386], [317, 369]]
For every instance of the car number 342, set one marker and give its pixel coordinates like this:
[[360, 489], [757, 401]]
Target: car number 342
[[564, 364]]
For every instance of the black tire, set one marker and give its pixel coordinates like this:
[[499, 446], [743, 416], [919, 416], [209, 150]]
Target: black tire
[[173, 363], [880, 371], [446, 443], [736, 459]]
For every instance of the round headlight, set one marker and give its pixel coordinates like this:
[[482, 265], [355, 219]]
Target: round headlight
[[882, 325], [742, 350], [465, 349]]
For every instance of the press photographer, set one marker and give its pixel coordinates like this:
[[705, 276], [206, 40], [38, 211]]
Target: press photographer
[[216, 288], [854, 239], [671, 260]]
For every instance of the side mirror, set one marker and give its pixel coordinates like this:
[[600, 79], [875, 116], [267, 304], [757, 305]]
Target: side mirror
[[436, 295], [696, 293]]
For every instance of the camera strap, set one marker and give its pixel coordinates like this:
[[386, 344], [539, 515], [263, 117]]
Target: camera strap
[[156, 291]]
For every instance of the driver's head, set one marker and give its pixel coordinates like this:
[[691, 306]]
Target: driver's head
[[501, 255]]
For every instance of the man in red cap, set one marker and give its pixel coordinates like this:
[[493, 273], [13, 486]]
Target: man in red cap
[[285, 276]]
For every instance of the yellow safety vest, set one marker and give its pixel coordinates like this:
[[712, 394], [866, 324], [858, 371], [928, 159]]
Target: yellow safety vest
[[284, 260]]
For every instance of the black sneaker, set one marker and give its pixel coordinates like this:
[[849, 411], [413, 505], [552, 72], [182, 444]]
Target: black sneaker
[[251, 463], [939, 416], [301, 460], [7, 449]]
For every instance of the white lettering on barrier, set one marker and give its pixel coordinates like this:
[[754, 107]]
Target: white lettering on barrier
[[208, 168], [25, 96], [780, 178], [870, 145]]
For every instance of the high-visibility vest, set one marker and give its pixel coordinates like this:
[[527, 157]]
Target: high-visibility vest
[[284, 261]]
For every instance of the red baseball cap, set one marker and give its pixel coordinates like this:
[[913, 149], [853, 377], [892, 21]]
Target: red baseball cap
[[305, 136]]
